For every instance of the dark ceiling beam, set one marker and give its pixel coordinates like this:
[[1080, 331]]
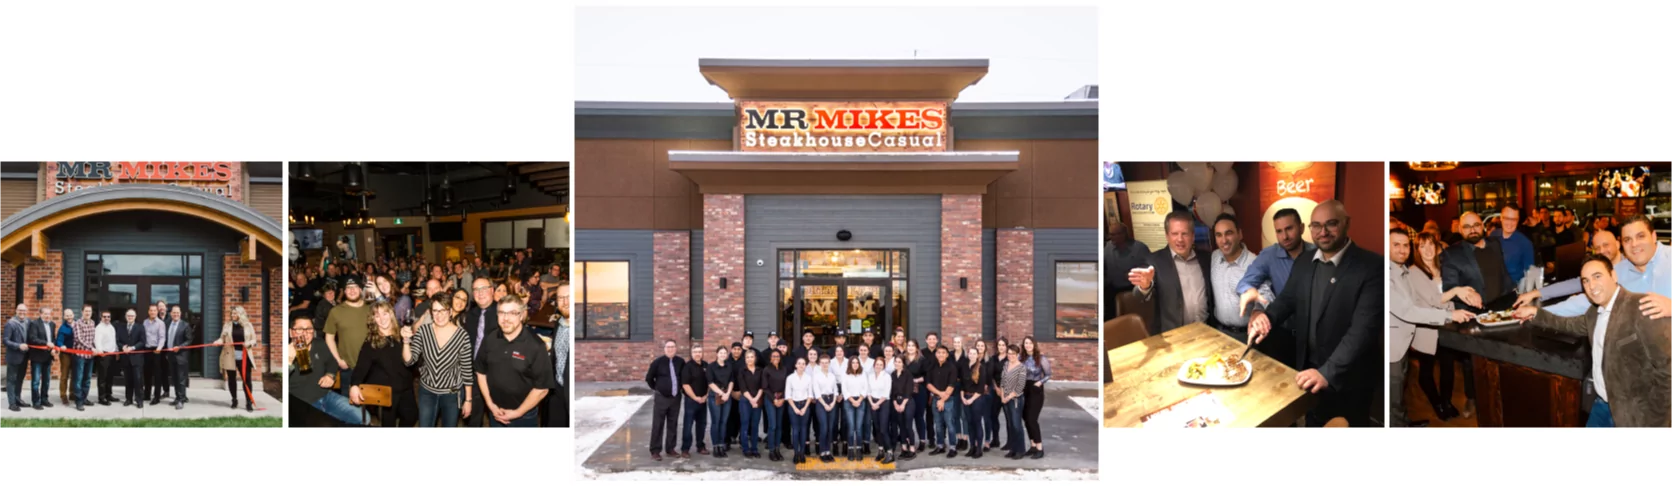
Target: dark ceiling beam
[[544, 167], [549, 175]]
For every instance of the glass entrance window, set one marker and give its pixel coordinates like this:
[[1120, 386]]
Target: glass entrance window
[[853, 290]]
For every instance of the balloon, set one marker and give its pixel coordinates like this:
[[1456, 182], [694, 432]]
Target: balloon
[[1222, 167], [1201, 179], [1208, 206], [1228, 209], [1179, 184], [1190, 166], [1225, 184]]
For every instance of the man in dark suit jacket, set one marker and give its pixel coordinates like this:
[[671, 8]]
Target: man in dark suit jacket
[[663, 379], [17, 355], [1333, 302], [1178, 279], [41, 356], [481, 319], [178, 334], [131, 337], [1476, 262], [1630, 366]]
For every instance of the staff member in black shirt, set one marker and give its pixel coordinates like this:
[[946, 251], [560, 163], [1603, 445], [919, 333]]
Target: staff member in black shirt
[[973, 397], [750, 383], [898, 428], [995, 367], [775, 376], [663, 379], [841, 342], [693, 388], [513, 369], [734, 421], [930, 343], [806, 344], [943, 383], [720, 376], [915, 424]]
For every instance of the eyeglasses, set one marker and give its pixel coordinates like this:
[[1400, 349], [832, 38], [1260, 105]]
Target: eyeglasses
[[1333, 224], [1474, 226], [301, 329]]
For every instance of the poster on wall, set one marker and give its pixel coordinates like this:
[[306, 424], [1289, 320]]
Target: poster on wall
[[1297, 185], [1149, 201]]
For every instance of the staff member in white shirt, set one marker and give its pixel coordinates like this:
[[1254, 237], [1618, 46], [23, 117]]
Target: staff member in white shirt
[[104, 341], [798, 388], [824, 393], [855, 388], [879, 386]]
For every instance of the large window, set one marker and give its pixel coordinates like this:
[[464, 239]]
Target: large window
[[856, 290], [550, 232], [1484, 197], [1076, 312], [604, 299]]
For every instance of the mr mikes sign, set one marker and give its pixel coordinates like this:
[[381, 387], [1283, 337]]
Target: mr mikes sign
[[218, 178], [824, 126]]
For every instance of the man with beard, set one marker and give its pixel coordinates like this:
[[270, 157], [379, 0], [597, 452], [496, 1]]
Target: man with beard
[[1273, 264], [1629, 350], [512, 369], [481, 320], [1334, 305], [1645, 269], [345, 331], [557, 410], [1478, 263], [1230, 263], [312, 372]]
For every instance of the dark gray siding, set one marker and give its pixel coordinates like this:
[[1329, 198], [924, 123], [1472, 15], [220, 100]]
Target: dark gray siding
[[906, 222], [989, 284], [1049, 247], [120, 232], [637, 247], [696, 286]]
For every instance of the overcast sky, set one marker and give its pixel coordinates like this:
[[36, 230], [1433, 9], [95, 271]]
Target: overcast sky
[[650, 54]]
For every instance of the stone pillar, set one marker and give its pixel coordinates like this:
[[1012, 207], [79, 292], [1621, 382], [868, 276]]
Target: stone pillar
[[960, 259]]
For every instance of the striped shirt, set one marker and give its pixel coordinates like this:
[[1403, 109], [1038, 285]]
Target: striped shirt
[[446, 369], [1014, 379]]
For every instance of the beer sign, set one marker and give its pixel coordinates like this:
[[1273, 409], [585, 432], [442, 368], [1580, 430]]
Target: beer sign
[[842, 126]]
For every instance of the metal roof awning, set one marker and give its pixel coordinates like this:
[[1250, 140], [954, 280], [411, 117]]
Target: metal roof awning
[[823, 79], [728, 172]]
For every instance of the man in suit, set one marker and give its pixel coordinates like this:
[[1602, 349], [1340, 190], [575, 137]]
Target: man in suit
[[1630, 352], [1334, 304], [17, 355], [178, 334], [1476, 262], [1177, 280], [663, 379], [41, 355], [131, 337], [480, 320]]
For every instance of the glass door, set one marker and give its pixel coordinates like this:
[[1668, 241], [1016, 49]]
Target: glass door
[[819, 313], [867, 308]]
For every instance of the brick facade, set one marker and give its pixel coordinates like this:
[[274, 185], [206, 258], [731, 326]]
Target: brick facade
[[722, 239], [1015, 281], [960, 258], [237, 274], [47, 272], [277, 328], [1073, 360]]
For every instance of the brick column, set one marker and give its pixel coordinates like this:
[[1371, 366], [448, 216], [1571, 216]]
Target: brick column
[[236, 274], [8, 302], [1015, 280], [722, 240], [49, 273], [960, 258], [277, 329]]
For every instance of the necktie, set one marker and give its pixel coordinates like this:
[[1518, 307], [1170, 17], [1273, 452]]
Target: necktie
[[675, 374], [481, 329]]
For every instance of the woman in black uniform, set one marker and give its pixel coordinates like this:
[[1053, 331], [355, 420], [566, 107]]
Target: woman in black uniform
[[900, 403], [773, 402], [917, 370]]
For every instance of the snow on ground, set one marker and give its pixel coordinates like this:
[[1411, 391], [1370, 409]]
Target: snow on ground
[[745, 475], [1093, 405], [598, 418], [945, 474]]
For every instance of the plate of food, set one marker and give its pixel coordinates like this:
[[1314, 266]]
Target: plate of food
[[1497, 318], [1215, 370]]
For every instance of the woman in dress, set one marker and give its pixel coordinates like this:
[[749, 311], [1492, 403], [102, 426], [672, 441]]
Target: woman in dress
[[446, 374]]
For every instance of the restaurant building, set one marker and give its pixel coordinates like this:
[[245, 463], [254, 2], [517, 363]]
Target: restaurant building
[[835, 194], [123, 235]]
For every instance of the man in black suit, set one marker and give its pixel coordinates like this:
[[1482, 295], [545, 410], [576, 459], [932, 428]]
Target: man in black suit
[[1177, 280], [41, 356], [663, 379], [1478, 263], [131, 337], [1334, 303], [178, 335], [480, 320], [17, 354]]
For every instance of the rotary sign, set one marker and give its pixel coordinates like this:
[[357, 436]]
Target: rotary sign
[[820, 126]]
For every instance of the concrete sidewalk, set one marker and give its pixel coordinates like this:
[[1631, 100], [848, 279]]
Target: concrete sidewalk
[[613, 435], [208, 400]]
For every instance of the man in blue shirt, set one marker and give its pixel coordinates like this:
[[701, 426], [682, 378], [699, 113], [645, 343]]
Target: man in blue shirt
[[1273, 264], [1518, 250], [1646, 269]]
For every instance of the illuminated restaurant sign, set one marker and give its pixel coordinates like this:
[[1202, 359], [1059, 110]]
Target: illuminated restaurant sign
[[213, 177], [838, 126]]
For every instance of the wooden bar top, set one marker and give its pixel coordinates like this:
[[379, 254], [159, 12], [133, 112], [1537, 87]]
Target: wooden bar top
[[1146, 380]]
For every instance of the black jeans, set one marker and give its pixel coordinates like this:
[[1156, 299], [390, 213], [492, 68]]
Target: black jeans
[[664, 424], [232, 388], [1427, 368], [105, 367], [1448, 359], [157, 378], [1033, 402], [134, 378]]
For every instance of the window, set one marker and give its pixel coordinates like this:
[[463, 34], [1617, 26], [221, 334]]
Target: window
[[604, 299], [514, 233], [1076, 312], [1485, 197]]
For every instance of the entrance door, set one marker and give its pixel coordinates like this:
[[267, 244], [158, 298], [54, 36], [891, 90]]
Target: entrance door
[[825, 305], [122, 293]]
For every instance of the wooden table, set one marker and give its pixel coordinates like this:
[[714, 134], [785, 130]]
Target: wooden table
[[1146, 380]]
